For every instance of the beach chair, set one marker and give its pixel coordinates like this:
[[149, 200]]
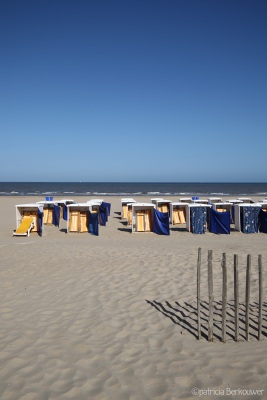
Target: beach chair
[[25, 227]]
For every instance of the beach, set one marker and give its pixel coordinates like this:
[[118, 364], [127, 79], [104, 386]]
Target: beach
[[113, 316]]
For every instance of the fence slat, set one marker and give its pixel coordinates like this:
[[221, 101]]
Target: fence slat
[[198, 293], [236, 295], [248, 294], [260, 297], [246, 320], [224, 297], [211, 299]]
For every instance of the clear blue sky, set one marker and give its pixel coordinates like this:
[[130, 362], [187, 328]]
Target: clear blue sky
[[133, 90]]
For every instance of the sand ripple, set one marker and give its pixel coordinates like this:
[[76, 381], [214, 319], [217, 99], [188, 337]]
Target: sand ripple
[[113, 317]]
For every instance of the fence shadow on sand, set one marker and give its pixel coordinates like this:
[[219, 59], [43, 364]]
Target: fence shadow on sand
[[184, 314]]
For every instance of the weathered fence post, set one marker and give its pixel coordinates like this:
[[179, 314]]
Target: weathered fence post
[[211, 299], [224, 297], [248, 295], [236, 295], [260, 297], [198, 293]]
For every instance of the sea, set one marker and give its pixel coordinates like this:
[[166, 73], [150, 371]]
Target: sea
[[125, 189]]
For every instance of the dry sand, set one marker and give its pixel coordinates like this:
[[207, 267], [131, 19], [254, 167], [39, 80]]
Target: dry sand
[[113, 317]]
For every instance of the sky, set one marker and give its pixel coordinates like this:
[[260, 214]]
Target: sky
[[133, 90]]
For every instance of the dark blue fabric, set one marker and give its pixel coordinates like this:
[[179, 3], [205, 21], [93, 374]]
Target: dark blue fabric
[[263, 221], [56, 215], [198, 219], [219, 222], [65, 212], [40, 222], [161, 224], [93, 224], [108, 205], [103, 214], [250, 219]]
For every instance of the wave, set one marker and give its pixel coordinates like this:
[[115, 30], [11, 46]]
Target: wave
[[132, 194], [133, 189]]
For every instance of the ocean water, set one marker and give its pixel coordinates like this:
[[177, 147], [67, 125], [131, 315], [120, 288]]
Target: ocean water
[[153, 189]]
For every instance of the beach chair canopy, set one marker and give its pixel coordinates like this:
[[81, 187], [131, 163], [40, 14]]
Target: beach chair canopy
[[33, 210], [161, 223], [63, 204], [93, 224], [103, 214], [219, 222], [250, 219], [263, 221], [51, 211], [198, 219], [56, 215], [82, 219], [108, 205]]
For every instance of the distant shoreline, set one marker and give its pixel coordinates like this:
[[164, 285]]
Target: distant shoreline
[[18, 189]]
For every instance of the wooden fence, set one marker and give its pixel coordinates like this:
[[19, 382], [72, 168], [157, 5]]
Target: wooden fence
[[224, 299]]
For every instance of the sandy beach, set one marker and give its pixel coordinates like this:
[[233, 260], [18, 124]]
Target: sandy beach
[[113, 317]]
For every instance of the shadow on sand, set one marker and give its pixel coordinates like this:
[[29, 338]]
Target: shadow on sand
[[184, 314]]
